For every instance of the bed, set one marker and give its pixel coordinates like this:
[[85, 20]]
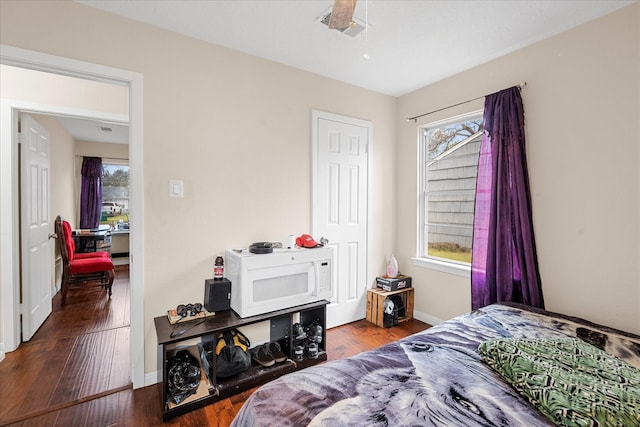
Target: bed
[[439, 377]]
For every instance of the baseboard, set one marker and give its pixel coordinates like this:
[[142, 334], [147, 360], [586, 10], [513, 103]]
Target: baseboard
[[120, 261], [151, 378], [426, 318], [1, 351]]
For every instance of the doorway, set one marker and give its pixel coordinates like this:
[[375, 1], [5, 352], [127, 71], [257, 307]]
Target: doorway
[[72, 139], [9, 213]]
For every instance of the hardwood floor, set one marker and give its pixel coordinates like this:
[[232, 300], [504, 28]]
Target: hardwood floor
[[34, 395], [80, 352]]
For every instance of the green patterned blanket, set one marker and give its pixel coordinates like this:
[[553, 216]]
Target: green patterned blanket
[[571, 382]]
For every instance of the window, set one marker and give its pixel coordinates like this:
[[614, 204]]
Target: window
[[448, 168], [115, 193]]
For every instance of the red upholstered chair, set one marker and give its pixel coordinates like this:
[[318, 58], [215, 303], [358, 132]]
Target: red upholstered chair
[[83, 269], [71, 244]]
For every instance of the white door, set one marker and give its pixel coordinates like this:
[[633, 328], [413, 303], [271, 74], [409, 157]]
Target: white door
[[340, 208], [35, 225]]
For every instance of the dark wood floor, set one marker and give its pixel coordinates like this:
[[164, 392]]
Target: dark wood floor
[[34, 395], [81, 351]]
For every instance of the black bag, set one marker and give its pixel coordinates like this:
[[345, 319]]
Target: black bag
[[183, 376], [393, 309], [399, 303], [232, 353], [390, 316]]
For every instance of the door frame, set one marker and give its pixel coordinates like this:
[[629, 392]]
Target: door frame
[[9, 181], [318, 114]]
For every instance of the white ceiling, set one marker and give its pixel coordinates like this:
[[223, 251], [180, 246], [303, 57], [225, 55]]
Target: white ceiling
[[95, 131], [410, 44]]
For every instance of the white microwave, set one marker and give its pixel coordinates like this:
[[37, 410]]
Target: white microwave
[[261, 283]]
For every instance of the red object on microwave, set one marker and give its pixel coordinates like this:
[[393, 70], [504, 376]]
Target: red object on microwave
[[306, 241]]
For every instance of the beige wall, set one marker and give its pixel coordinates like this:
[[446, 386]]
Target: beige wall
[[118, 152], [50, 89], [236, 129], [583, 137]]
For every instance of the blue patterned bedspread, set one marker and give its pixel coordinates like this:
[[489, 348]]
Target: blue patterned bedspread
[[433, 378]]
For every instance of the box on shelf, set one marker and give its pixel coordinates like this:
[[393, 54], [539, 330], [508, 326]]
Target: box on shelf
[[389, 284]]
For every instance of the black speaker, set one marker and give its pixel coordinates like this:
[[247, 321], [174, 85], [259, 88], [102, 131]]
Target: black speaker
[[217, 294]]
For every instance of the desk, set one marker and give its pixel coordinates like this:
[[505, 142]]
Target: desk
[[119, 243], [93, 240]]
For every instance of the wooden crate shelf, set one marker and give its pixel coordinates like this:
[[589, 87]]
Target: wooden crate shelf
[[375, 304]]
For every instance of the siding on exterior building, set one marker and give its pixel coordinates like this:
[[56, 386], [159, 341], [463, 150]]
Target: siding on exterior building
[[451, 194]]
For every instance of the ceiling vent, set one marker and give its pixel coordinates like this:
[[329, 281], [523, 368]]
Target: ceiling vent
[[352, 31]]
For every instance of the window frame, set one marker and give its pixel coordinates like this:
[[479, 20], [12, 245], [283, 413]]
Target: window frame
[[422, 259], [116, 162]]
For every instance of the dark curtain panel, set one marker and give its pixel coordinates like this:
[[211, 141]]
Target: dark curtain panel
[[504, 264], [91, 192]]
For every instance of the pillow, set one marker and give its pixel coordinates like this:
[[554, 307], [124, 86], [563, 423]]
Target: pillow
[[571, 382]]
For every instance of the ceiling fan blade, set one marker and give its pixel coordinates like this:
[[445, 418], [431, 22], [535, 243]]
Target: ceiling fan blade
[[342, 14]]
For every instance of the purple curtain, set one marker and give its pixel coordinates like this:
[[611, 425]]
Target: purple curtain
[[91, 192], [504, 264]]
